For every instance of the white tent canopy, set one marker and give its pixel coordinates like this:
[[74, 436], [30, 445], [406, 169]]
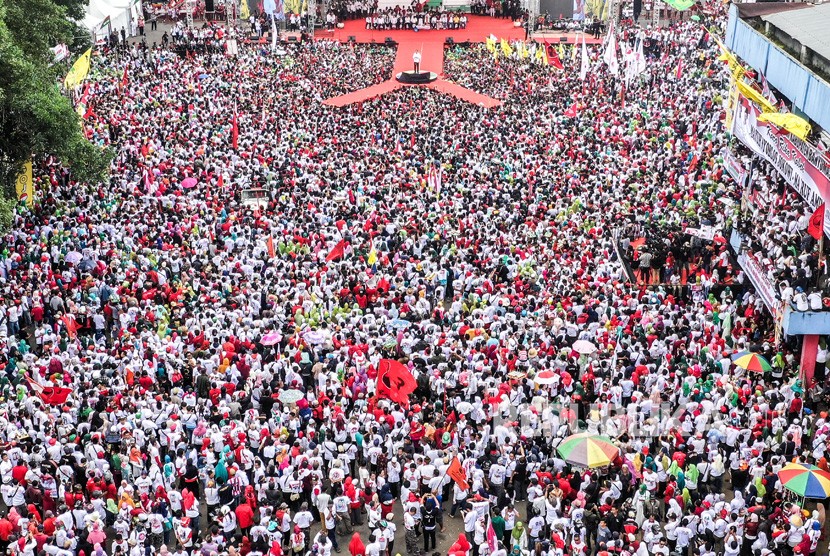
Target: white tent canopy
[[121, 13]]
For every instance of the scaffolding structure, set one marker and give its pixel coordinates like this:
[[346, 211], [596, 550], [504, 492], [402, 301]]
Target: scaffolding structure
[[190, 7], [312, 17]]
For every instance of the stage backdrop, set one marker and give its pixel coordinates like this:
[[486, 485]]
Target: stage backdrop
[[555, 8]]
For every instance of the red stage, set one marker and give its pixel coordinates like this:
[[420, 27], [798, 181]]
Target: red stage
[[431, 45]]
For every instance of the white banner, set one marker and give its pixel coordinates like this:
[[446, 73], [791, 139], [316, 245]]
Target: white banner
[[755, 272], [803, 167]]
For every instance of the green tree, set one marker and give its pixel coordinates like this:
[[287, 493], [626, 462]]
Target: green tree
[[35, 117]]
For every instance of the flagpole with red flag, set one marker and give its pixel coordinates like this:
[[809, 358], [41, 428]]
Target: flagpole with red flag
[[816, 230], [235, 130]]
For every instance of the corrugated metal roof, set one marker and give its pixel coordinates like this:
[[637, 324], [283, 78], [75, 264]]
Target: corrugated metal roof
[[758, 9], [810, 27]]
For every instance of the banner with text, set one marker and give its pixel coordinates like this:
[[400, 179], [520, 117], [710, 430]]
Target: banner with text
[[803, 167], [763, 285]]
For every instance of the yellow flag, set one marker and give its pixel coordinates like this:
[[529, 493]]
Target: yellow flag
[[373, 256], [755, 97], [24, 186], [244, 11], [545, 60], [525, 51], [792, 123], [573, 52], [491, 43], [506, 48], [561, 51], [79, 70]]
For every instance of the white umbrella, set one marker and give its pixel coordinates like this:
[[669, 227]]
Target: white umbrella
[[584, 347], [73, 257], [291, 396], [464, 407]]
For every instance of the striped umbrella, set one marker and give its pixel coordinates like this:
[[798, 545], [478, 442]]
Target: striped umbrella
[[588, 450], [752, 362], [807, 481]]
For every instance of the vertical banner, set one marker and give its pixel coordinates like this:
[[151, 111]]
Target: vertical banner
[[579, 10], [730, 102], [24, 185]]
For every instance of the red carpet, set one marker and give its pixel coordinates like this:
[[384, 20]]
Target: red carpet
[[431, 45], [463, 93]]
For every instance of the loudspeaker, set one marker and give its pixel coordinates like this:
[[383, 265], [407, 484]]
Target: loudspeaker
[[292, 39], [352, 38], [389, 41], [209, 7], [450, 40], [563, 39]]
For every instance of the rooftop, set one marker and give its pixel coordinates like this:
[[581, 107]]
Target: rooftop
[[809, 24]]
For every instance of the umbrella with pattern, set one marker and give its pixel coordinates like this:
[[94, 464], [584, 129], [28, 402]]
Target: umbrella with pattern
[[752, 362], [807, 481], [588, 450]]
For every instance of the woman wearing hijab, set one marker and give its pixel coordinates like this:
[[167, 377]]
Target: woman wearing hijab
[[518, 538], [356, 546]]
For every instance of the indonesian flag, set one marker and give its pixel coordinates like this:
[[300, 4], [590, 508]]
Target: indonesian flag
[[235, 130], [816, 227], [679, 71]]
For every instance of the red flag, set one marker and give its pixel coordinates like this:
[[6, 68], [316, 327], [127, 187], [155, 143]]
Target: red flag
[[553, 56], [70, 324], [395, 382], [679, 70], [271, 251], [457, 474], [572, 111], [221, 182], [337, 251], [816, 227], [37, 388], [55, 395], [235, 131], [492, 543], [124, 78]]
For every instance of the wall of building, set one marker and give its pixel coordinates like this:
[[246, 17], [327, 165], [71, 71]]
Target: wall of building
[[809, 93]]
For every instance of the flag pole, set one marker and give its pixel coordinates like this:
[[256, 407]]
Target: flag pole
[[820, 272]]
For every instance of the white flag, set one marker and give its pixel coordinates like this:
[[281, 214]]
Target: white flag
[[583, 70], [273, 34], [639, 58], [610, 54]]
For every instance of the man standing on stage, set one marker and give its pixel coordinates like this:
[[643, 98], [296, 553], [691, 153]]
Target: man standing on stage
[[416, 57]]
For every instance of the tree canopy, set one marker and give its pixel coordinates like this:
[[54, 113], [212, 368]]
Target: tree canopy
[[36, 119]]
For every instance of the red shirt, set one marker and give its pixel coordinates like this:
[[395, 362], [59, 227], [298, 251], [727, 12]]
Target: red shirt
[[244, 516]]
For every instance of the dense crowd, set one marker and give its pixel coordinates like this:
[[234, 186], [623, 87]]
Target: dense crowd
[[221, 360]]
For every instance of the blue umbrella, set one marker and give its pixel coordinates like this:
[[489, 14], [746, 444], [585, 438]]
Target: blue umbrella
[[400, 323]]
